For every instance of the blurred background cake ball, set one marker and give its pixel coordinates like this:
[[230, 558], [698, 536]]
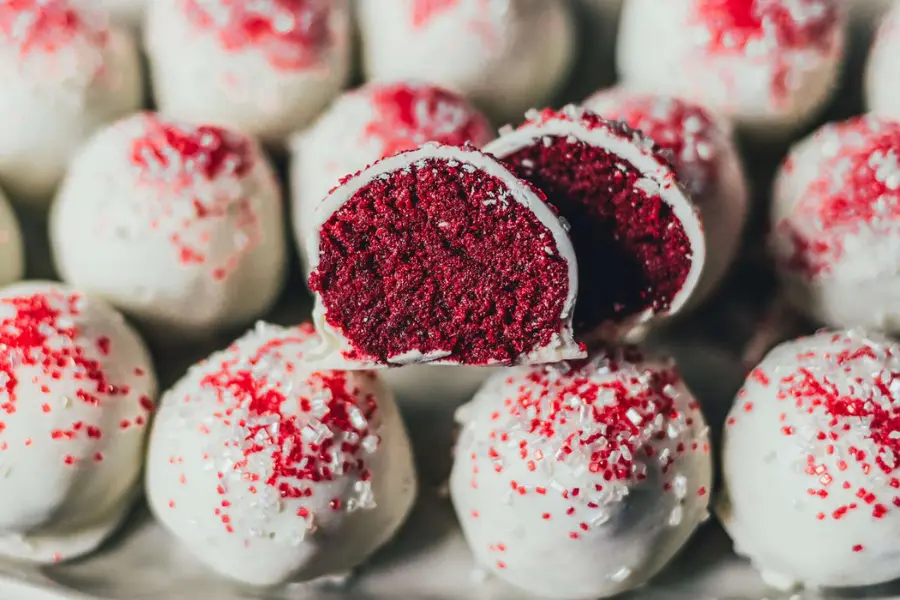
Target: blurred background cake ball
[[65, 72], [705, 158], [836, 224], [124, 12], [771, 65], [180, 226], [882, 83], [12, 251], [270, 471], [78, 394], [506, 55], [266, 67]]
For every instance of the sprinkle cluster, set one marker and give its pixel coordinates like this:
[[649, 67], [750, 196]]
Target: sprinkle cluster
[[483, 18], [46, 25]]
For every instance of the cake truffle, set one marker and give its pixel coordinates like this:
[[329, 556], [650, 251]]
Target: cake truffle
[[270, 471], [703, 152], [811, 451], [637, 235], [78, 391], [770, 65], [129, 13], [440, 255], [266, 67], [836, 227], [507, 55], [65, 73], [882, 79], [178, 225], [12, 251], [578, 481]]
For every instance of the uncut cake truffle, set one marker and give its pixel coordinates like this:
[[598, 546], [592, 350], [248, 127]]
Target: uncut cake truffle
[[440, 255], [882, 79], [706, 161], [65, 73], [836, 226], [770, 65], [266, 67], [811, 451], [636, 233], [582, 480], [506, 55], [78, 391], [179, 225], [270, 471]]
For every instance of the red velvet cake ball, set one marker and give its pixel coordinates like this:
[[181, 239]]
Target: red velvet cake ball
[[440, 255]]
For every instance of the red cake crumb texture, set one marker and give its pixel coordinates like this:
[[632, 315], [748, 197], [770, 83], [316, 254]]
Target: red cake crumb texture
[[37, 332], [47, 26], [293, 34], [407, 116], [864, 200], [633, 252], [195, 167], [439, 258]]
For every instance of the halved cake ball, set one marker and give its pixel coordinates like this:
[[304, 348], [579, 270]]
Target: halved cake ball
[[812, 462], [636, 233], [507, 56], [179, 225], [770, 65], [440, 255], [65, 72], [271, 471], [78, 390], [883, 70], [836, 224], [266, 67], [370, 123], [582, 480], [12, 250], [706, 160]]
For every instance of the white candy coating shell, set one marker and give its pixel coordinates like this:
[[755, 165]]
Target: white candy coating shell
[[882, 79]]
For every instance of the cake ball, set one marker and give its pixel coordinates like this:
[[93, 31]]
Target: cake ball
[[440, 255], [703, 152], [836, 225], [271, 471], [636, 233], [179, 225], [582, 480], [811, 462], [77, 395], [506, 55], [12, 251], [266, 67], [770, 65], [882, 79], [125, 12], [65, 73]]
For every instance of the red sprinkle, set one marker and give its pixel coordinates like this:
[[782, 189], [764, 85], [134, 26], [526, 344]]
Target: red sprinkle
[[46, 26]]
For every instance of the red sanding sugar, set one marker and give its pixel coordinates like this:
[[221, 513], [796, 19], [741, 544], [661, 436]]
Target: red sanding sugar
[[46, 25], [439, 258], [633, 253]]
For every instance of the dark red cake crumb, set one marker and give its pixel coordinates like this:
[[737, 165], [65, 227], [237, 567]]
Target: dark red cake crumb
[[633, 252], [439, 258]]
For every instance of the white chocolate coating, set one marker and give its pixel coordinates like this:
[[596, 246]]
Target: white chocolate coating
[[12, 251], [810, 462], [835, 230], [72, 435], [60, 84], [706, 161], [179, 226], [506, 55], [771, 75], [882, 79], [573, 482], [270, 471], [207, 69]]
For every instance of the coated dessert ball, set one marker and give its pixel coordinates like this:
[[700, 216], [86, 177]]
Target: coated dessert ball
[[129, 13], [706, 160], [12, 251], [178, 225], [440, 255], [77, 395], [266, 67], [882, 79], [770, 65], [65, 73], [835, 225], [578, 481], [271, 471], [506, 55], [811, 462]]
